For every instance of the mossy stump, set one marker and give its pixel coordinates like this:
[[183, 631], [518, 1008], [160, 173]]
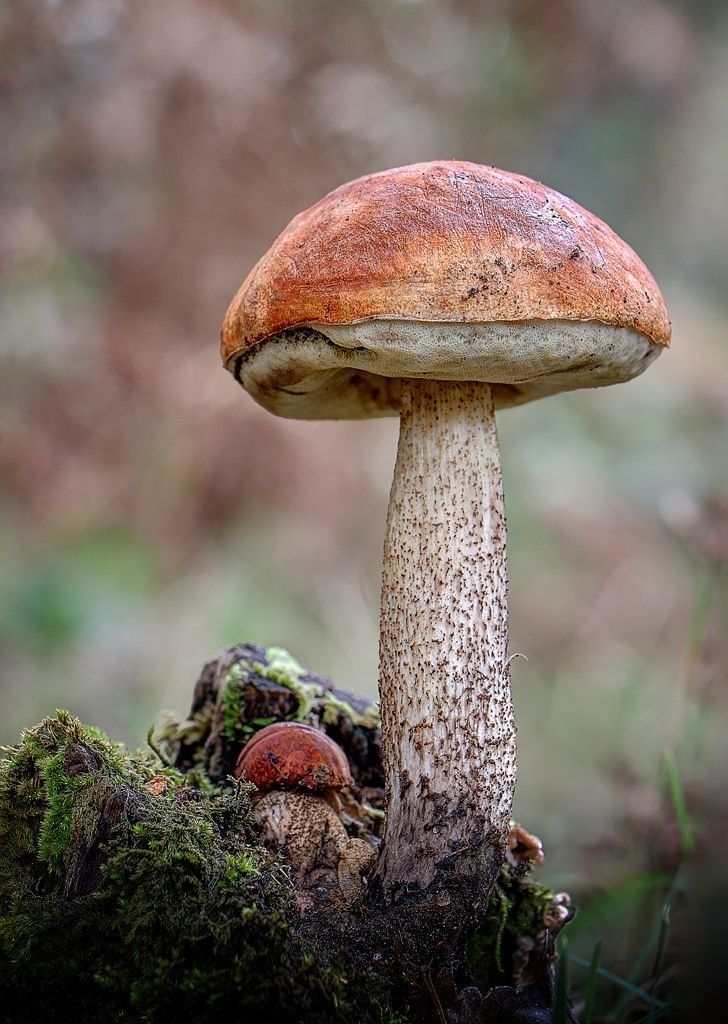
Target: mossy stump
[[134, 887]]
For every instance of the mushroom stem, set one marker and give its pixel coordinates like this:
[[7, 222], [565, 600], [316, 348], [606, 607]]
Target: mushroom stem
[[447, 714]]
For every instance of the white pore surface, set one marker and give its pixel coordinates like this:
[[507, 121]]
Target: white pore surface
[[352, 371]]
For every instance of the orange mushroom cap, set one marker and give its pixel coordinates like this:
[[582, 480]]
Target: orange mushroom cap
[[290, 755], [446, 270]]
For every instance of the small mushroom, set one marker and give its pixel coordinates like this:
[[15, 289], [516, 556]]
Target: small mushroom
[[523, 848], [291, 755], [441, 292], [558, 912], [356, 864], [298, 771]]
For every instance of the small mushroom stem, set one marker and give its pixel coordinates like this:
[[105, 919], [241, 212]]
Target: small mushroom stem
[[305, 827], [447, 714]]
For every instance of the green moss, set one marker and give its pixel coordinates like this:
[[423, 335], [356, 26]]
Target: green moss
[[128, 900], [232, 703], [282, 668], [516, 907], [193, 730], [335, 706], [281, 662], [499, 907], [526, 915], [188, 742], [279, 667], [44, 799]]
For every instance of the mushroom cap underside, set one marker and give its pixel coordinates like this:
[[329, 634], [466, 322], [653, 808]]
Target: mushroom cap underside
[[445, 270]]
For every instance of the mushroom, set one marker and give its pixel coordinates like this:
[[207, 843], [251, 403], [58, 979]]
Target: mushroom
[[288, 755], [523, 848], [298, 769], [440, 292]]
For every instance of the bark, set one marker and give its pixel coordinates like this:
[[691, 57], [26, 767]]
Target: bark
[[446, 708]]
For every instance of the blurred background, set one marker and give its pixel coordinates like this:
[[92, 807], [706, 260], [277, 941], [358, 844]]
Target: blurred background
[[152, 513]]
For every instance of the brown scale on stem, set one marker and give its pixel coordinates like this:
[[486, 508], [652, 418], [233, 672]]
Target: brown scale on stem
[[447, 714]]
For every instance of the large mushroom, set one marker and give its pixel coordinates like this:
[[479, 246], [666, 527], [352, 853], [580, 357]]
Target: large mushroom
[[440, 292]]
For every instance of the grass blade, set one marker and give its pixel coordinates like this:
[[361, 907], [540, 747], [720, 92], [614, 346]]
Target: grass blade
[[655, 1015], [677, 795], [591, 983], [615, 900], [659, 955], [654, 941], [622, 983], [561, 993]]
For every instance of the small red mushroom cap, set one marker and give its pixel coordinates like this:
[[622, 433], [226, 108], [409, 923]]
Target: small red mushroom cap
[[290, 755]]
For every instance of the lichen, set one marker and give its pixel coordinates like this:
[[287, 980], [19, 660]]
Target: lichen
[[334, 705], [169, 734], [282, 668], [194, 729]]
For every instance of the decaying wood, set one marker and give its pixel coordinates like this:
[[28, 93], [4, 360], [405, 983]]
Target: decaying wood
[[263, 700]]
